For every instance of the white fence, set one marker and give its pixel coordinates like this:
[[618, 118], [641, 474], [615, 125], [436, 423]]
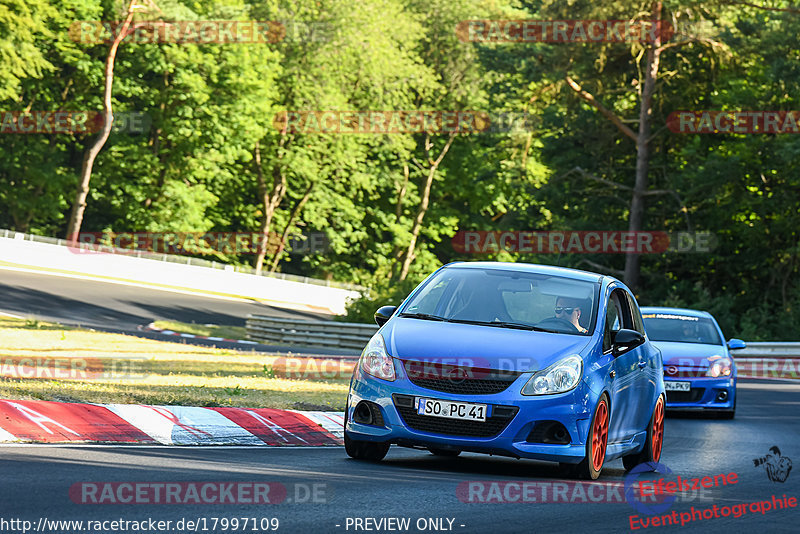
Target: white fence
[[173, 272]]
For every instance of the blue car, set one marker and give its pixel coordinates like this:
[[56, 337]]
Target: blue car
[[699, 371], [512, 359]]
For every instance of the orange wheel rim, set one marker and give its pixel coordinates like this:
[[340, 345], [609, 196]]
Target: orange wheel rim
[[658, 429], [599, 435]]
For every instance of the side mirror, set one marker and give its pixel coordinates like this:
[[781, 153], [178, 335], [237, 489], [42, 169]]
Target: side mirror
[[383, 314], [625, 340], [736, 344]]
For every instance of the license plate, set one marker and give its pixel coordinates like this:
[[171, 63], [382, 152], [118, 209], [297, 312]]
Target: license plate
[[671, 385], [451, 409]]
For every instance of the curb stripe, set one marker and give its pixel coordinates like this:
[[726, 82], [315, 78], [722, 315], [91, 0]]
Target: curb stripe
[[53, 422], [56, 422]]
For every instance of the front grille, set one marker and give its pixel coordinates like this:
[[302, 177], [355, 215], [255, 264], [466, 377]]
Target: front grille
[[693, 395], [459, 380], [501, 416]]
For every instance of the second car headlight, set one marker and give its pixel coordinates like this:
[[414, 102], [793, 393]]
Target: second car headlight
[[560, 377], [719, 367], [375, 361]]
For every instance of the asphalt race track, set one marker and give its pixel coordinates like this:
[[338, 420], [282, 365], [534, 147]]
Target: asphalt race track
[[106, 304], [120, 308], [414, 484]]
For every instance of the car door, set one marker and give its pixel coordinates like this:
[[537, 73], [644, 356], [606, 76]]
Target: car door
[[649, 369], [625, 382]]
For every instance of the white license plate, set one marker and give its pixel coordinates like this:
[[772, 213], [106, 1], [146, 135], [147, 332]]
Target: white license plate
[[671, 385], [451, 409]]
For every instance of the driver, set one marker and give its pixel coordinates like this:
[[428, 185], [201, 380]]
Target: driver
[[569, 310], [689, 331]]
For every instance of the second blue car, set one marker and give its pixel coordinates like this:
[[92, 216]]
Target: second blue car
[[699, 371], [512, 359]]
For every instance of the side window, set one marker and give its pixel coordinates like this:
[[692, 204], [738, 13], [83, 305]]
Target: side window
[[613, 314], [638, 323]]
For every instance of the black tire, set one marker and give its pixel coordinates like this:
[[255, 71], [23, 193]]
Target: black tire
[[449, 453], [646, 454], [586, 469], [364, 450]]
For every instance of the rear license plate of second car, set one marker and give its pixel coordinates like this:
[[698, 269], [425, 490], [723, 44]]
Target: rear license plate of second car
[[451, 409], [671, 385]]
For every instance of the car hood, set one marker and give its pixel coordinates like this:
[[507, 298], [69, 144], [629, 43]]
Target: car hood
[[686, 356], [485, 347]]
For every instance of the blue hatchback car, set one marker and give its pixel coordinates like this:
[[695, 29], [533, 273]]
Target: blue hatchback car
[[511, 359], [699, 371]]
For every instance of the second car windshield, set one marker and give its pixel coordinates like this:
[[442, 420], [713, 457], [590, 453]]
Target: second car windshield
[[680, 328], [507, 299]]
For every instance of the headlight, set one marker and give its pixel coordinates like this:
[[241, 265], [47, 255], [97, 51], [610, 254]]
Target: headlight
[[562, 376], [719, 367], [374, 360]]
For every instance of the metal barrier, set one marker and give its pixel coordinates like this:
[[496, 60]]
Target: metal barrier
[[328, 334], [768, 349]]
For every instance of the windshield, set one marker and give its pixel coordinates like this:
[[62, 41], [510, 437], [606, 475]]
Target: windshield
[[681, 328], [508, 299]]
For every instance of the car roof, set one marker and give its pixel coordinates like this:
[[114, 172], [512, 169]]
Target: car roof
[[676, 311], [575, 274]]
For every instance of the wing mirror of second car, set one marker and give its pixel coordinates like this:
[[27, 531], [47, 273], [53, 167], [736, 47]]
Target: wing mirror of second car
[[736, 344], [383, 314], [625, 340]]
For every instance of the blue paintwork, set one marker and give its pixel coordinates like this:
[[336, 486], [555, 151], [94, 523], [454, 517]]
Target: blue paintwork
[[632, 392], [691, 360]]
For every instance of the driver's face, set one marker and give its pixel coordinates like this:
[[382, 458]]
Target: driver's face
[[570, 313]]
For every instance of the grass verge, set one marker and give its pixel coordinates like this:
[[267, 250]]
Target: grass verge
[[54, 362]]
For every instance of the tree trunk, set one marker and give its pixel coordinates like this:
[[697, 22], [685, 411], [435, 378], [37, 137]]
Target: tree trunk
[[423, 205], [292, 216], [269, 200], [79, 205], [636, 218]]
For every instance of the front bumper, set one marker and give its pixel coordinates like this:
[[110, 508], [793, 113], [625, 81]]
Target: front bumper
[[571, 409], [705, 394]]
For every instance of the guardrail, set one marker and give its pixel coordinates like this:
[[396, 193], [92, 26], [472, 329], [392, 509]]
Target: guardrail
[[769, 349], [328, 334]]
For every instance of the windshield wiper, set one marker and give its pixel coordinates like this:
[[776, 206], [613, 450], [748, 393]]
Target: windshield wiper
[[503, 324], [426, 316]]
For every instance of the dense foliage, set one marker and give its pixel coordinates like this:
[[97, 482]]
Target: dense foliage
[[212, 158]]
